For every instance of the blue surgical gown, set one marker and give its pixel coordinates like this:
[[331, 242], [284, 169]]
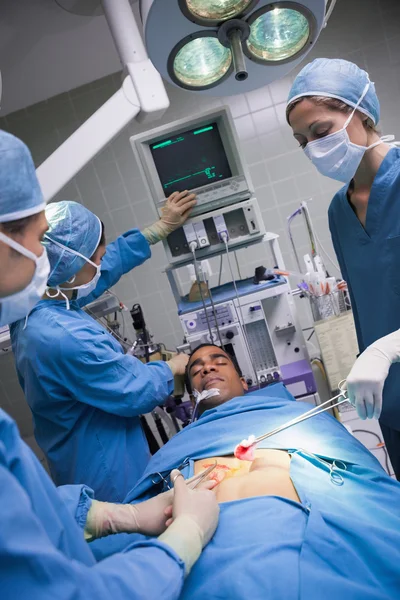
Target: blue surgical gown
[[369, 259], [85, 394], [43, 554]]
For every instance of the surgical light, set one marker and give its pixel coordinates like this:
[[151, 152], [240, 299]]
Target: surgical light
[[215, 10], [279, 34], [200, 62], [224, 47]]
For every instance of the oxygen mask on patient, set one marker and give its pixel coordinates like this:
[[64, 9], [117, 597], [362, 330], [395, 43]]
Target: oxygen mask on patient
[[199, 396]]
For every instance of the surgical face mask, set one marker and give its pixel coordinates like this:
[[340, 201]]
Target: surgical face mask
[[18, 305], [82, 290], [86, 288], [335, 155]]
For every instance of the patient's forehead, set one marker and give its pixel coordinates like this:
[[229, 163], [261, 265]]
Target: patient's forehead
[[207, 352]]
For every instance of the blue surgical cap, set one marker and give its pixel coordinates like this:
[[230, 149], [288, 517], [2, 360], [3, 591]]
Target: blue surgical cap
[[73, 226], [20, 193], [336, 78]]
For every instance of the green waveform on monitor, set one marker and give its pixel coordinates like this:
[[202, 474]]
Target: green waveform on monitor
[[167, 143], [208, 171], [203, 130]]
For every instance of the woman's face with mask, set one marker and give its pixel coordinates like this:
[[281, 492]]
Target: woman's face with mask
[[311, 121], [16, 270]]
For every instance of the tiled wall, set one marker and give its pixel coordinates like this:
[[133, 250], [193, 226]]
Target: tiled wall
[[364, 31]]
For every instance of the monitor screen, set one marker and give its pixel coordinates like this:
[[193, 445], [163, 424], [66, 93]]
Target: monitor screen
[[191, 159]]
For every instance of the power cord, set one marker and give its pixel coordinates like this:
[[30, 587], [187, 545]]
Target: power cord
[[380, 442]]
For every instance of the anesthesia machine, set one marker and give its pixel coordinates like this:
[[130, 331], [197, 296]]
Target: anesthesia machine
[[254, 320]]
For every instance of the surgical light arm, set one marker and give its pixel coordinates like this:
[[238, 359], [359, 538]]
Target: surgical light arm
[[141, 96]]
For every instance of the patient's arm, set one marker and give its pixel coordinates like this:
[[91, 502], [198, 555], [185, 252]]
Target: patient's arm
[[267, 475]]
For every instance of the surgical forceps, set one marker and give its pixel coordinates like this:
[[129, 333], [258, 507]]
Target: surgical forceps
[[317, 410], [197, 479], [334, 467]]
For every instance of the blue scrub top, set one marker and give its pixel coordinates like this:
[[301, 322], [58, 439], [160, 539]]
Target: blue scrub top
[[85, 394], [42, 547], [369, 259]]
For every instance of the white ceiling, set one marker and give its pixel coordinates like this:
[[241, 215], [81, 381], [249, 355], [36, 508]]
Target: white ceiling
[[45, 51]]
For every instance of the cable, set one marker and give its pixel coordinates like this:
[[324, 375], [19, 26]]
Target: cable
[[317, 353], [380, 442], [211, 301], [310, 229], [126, 340], [111, 331], [193, 247], [321, 367], [289, 227], [313, 232], [224, 238], [220, 269], [328, 12], [237, 265], [215, 316], [333, 263]]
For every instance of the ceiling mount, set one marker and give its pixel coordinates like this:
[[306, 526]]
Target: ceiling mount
[[233, 34]]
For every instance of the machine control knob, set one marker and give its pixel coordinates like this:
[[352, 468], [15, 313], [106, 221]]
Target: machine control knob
[[230, 335]]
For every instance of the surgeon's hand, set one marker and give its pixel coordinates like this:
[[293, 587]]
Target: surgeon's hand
[[177, 209], [193, 521], [148, 517], [367, 378], [173, 215], [178, 363], [199, 504]]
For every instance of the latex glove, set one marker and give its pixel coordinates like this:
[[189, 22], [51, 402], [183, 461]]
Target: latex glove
[[193, 521], [367, 378], [148, 517], [174, 214], [178, 363]]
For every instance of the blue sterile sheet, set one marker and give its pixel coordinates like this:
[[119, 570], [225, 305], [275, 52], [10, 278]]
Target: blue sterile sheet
[[339, 541]]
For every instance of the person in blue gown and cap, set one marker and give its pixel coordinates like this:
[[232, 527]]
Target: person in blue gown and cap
[[43, 528], [333, 110], [85, 393]]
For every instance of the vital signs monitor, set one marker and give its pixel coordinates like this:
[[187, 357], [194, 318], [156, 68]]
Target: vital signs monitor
[[200, 154]]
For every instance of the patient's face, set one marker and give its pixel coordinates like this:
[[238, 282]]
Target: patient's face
[[211, 367]]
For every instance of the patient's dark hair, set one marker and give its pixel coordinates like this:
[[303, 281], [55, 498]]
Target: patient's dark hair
[[231, 358]]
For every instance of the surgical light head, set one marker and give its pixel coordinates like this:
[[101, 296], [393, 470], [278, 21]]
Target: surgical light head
[[224, 47]]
